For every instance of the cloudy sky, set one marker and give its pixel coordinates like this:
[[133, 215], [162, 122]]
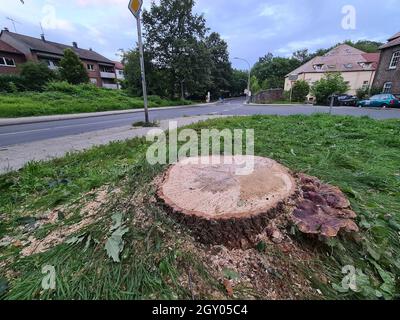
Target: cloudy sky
[[251, 27]]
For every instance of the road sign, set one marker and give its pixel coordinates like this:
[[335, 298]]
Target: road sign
[[135, 6]]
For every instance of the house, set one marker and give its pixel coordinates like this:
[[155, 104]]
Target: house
[[119, 71], [388, 74], [10, 58], [21, 48], [357, 68]]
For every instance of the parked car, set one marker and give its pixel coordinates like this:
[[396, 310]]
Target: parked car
[[380, 101], [343, 100]]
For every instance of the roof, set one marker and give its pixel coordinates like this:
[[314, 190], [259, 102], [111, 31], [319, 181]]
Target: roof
[[392, 41], [119, 65], [5, 47], [343, 58], [46, 46]]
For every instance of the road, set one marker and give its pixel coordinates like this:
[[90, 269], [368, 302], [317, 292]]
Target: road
[[26, 133]]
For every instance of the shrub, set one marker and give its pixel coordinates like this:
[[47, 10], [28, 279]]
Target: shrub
[[72, 69], [36, 75], [300, 91], [331, 83], [11, 83], [61, 86], [362, 93]]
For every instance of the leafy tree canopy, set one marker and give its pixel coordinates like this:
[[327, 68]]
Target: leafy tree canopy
[[72, 69]]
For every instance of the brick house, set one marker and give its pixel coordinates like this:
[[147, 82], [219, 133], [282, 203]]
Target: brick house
[[10, 58], [23, 48], [388, 74]]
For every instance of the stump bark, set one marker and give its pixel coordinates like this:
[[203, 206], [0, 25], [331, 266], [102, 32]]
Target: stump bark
[[221, 207]]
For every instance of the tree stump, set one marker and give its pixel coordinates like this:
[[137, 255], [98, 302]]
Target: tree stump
[[221, 207]]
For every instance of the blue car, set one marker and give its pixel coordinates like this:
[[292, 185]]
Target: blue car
[[380, 101]]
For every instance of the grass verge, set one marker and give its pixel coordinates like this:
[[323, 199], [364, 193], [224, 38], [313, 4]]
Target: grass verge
[[160, 260], [74, 99]]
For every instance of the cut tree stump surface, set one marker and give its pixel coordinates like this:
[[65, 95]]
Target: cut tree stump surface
[[221, 207], [215, 191]]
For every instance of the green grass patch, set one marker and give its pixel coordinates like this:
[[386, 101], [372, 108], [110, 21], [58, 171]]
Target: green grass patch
[[359, 155], [69, 99]]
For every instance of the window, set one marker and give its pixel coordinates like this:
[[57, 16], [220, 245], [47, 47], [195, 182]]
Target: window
[[318, 67], [7, 62], [107, 69], [395, 60], [93, 80], [365, 85], [348, 66], [120, 72], [90, 67], [387, 87]]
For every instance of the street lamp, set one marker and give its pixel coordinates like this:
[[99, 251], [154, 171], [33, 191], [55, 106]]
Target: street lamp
[[249, 80]]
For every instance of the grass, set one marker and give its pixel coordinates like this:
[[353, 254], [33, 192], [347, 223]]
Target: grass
[[74, 99], [360, 155]]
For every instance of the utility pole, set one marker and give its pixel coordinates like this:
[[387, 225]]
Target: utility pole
[[249, 79], [135, 6]]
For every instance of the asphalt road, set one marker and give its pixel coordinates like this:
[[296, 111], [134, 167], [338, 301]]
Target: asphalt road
[[25, 133]]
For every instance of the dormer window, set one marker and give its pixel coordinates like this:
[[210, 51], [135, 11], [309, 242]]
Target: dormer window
[[395, 60], [348, 65], [318, 67], [366, 65]]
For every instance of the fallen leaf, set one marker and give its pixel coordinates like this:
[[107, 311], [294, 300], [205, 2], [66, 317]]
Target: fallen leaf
[[228, 287]]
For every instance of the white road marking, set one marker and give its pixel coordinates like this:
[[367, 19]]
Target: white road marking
[[61, 127]]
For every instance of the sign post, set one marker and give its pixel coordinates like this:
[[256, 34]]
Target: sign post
[[135, 6]]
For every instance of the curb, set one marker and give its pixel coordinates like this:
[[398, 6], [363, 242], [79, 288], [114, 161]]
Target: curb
[[40, 119]]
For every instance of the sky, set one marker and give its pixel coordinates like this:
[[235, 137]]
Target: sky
[[252, 28]]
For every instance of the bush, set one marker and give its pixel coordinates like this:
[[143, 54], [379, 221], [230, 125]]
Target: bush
[[36, 75], [11, 83], [362, 93], [331, 83], [300, 91]]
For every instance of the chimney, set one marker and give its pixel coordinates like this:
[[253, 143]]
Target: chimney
[[6, 29], [43, 38], [75, 44]]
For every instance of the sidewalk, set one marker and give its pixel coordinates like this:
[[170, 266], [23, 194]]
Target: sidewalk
[[15, 157], [30, 120]]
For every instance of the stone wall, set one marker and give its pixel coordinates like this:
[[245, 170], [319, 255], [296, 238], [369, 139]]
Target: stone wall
[[268, 96]]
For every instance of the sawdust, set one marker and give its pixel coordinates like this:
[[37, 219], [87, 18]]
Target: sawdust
[[90, 213]]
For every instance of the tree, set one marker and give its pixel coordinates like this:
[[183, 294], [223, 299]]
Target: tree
[[331, 83], [274, 70], [221, 68], [238, 82], [36, 75], [175, 36], [300, 91], [156, 80], [72, 69], [302, 56], [254, 85]]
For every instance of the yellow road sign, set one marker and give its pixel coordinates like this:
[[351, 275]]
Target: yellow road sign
[[135, 6]]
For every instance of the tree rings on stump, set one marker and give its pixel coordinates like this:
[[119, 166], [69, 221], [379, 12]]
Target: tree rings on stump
[[209, 195]]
